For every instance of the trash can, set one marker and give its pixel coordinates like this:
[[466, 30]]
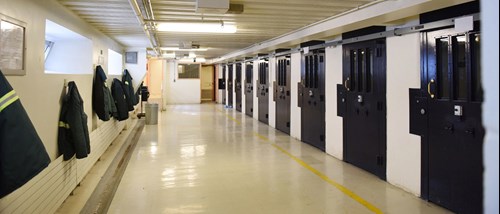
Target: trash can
[[151, 113]]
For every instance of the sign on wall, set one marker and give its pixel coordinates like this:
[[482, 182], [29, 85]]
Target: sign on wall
[[12, 46]]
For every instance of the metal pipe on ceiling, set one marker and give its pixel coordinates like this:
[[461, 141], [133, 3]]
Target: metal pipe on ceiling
[[147, 27]]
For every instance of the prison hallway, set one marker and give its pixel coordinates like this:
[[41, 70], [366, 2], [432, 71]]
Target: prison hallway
[[209, 159]]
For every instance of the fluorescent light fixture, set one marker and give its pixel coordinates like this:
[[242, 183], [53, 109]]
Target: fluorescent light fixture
[[197, 27], [192, 60], [180, 49], [192, 55], [169, 55]]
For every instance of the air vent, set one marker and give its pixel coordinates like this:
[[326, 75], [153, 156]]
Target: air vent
[[212, 6]]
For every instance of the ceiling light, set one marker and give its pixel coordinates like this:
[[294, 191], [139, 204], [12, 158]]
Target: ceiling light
[[192, 60], [180, 49], [169, 55], [197, 27]]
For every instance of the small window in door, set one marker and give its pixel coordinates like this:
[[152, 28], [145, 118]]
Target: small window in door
[[460, 68], [443, 78], [361, 69], [354, 69], [369, 70], [477, 90]]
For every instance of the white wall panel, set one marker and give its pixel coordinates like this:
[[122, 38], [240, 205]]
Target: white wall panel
[[272, 104], [403, 148], [334, 126], [296, 120]]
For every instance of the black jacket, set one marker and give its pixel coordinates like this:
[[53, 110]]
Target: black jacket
[[102, 101], [128, 88], [73, 130], [22, 154], [120, 101]]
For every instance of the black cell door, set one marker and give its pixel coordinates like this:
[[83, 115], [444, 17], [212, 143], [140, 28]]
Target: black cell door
[[364, 75], [230, 80], [263, 91], [249, 89], [282, 94], [238, 88], [312, 96], [452, 151]]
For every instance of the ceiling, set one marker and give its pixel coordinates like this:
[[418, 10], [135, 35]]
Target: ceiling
[[261, 20]]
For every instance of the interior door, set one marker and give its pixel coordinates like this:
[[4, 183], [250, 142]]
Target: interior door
[[452, 150], [230, 85], [364, 75], [238, 88], [249, 89], [263, 91], [282, 94], [312, 94]]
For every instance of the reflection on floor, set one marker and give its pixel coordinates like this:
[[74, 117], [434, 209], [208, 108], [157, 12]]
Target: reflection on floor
[[207, 159]]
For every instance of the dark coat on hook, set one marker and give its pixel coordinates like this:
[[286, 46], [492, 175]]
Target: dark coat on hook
[[22, 154], [73, 135], [128, 88], [102, 100], [120, 101]]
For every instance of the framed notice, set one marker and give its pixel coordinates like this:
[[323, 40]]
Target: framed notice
[[131, 57], [12, 46]]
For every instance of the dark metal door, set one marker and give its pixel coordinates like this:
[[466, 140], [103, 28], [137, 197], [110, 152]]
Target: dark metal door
[[452, 150], [249, 89], [282, 94], [263, 91], [364, 75], [312, 94], [238, 88], [230, 85]]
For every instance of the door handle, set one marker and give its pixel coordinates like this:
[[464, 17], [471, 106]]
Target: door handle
[[429, 88], [345, 84]]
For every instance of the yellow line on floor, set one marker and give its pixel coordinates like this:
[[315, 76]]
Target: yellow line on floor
[[340, 187]]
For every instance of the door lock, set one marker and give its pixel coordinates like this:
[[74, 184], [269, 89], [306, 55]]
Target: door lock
[[459, 111], [311, 93], [422, 111], [360, 99]]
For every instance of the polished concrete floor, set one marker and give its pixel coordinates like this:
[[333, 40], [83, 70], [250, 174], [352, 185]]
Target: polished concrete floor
[[207, 159]]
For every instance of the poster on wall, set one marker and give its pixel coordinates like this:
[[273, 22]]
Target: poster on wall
[[12, 46]]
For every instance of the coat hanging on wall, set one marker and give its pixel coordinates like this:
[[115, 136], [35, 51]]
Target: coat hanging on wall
[[117, 90], [73, 135], [22, 154], [102, 100], [128, 88]]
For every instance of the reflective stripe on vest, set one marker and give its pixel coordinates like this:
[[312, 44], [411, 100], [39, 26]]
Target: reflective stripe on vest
[[8, 99], [63, 125]]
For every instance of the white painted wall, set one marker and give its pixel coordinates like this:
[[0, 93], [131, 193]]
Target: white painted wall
[[403, 148], [243, 88], [180, 91], [137, 71], [272, 104], [234, 86], [333, 76], [70, 57], [489, 18], [295, 111], [43, 108], [255, 89]]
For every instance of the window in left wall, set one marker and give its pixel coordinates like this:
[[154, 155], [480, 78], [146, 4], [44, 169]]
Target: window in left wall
[[69, 52], [115, 63]]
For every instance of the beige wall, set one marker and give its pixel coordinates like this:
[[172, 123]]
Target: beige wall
[[154, 78], [40, 92], [403, 148]]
